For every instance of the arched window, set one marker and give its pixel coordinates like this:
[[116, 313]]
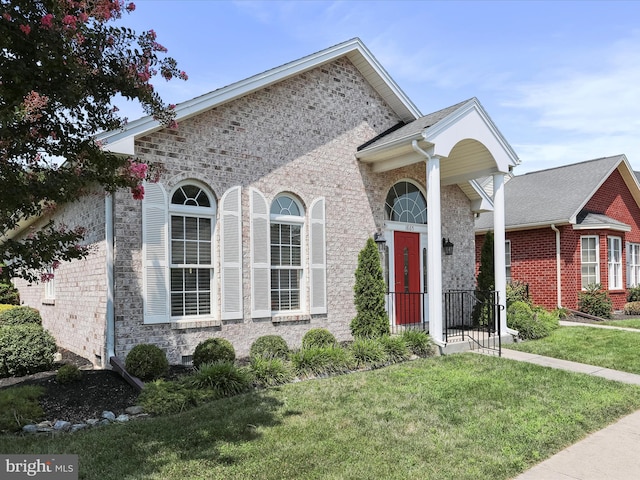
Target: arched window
[[405, 203], [287, 222], [192, 221]]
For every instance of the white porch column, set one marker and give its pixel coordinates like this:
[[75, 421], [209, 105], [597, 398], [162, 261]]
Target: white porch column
[[434, 250], [500, 270]]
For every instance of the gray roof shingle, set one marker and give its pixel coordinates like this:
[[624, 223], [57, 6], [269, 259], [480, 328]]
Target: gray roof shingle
[[550, 196]]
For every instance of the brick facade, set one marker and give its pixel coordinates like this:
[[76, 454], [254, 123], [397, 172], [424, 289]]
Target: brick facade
[[533, 252], [298, 136]]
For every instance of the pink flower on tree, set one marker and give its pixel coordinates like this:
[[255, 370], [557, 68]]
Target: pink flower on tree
[[47, 21], [26, 29], [137, 192], [138, 169]]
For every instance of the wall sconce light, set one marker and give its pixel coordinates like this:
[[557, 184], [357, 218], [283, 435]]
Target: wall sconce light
[[447, 246], [378, 237]]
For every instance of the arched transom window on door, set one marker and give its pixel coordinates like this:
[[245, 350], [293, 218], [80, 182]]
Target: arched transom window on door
[[287, 220], [405, 203], [192, 220]]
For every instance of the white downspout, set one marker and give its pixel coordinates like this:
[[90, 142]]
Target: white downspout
[[110, 313], [434, 247], [558, 273]]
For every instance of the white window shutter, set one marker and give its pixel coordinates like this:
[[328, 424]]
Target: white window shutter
[[260, 256], [155, 254], [318, 258], [627, 253], [231, 253]]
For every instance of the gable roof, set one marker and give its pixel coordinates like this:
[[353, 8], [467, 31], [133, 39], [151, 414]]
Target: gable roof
[[558, 195], [122, 141]]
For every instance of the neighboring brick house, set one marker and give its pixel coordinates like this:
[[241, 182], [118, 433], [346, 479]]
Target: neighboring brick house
[[572, 226], [270, 188]]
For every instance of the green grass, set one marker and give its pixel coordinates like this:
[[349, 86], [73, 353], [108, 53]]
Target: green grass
[[607, 348], [630, 323], [456, 417]]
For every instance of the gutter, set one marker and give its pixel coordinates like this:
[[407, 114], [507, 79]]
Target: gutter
[[558, 273]]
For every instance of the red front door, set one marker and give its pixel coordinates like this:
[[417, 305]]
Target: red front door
[[406, 256]]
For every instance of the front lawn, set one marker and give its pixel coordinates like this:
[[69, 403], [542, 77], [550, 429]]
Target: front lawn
[[457, 417], [630, 323], [602, 347]]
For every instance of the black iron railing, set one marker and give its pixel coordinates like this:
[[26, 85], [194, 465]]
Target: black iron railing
[[472, 316]]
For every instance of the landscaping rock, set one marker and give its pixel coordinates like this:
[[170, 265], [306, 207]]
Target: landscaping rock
[[109, 416]]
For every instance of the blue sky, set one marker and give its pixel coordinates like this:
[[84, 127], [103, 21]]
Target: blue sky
[[561, 79]]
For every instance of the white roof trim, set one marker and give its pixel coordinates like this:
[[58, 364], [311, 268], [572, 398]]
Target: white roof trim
[[354, 49], [603, 226]]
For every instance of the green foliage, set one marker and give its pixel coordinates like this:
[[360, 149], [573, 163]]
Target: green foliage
[[632, 308], [68, 374], [633, 294], [19, 406], [368, 352], [318, 337], [213, 350], [269, 347], [531, 322], [25, 349], [419, 342], [147, 362], [45, 116], [595, 301], [517, 291], [371, 320], [20, 316], [162, 397], [4, 307], [322, 360], [222, 378], [482, 311], [9, 294], [395, 348], [270, 371]]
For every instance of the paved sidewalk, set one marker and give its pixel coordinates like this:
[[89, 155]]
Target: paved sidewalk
[[608, 454]]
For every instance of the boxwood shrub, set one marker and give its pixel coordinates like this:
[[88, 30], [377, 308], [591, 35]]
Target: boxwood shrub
[[20, 316], [318, 337], [531, 322], [269, 346], [213, 350], [25, 349], [147, 362]]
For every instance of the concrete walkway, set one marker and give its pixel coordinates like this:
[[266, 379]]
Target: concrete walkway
[[609, 454]]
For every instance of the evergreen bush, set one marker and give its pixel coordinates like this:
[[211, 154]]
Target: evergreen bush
[[68, 374], [595, 301], [147, 362], [531, 322], [20, 316], [25, 349], [213, 350], [517, 291], [371, 320], [633, 294], [632, 308], [268, 347], [9, 294], [318, 337]]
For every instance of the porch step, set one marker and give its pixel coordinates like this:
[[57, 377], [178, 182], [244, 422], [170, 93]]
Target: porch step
[[465, 346]]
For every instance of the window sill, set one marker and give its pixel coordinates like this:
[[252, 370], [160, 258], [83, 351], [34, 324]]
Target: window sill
[[188, 324], [290, 318], [48, 301]]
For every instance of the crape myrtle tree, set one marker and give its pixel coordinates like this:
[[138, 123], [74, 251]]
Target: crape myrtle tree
[[62, 62]]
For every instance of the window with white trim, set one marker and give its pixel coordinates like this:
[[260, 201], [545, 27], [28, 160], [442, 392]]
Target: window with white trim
[[50, 284], [633, 256], [507, 259], [405, 203], [614, 259], [191, 252], [286, 227], [589, 263]]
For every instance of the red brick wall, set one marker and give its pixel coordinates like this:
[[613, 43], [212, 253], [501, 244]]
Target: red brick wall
[[533, 252]]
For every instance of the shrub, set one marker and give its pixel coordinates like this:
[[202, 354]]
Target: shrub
[[268, 347], [418, 342], [213, 350], [632, 308], [161, 397], [20, 316], [322, 360], [371, 320], [270, 371], [68, 374], [595, 301], [517, 291], [19, 406], [318, 337], [9, 294], [368, 352], [25, 349], [147, 362], [220, 379], [531, 322], [395, 348], [633, 294]]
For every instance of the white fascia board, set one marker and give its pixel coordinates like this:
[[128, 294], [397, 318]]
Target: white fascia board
[[223, 95], [485, 202], [603, 226], [527, 226]]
